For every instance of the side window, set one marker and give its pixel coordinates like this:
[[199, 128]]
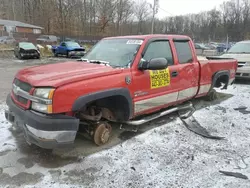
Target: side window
[[63, 44], [184, 52], [159, 49]]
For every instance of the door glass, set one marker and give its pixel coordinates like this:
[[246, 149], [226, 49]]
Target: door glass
[[159, 49], [184, 52]]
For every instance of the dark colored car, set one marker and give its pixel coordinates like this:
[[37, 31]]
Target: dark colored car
[[26, 50], [69, 48]]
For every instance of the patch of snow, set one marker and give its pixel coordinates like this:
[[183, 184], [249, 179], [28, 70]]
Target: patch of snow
[[7, 142]]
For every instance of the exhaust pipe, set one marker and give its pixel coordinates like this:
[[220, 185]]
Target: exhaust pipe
[[155, 116]]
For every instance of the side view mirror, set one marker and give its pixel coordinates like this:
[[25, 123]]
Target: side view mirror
[[153, 64]]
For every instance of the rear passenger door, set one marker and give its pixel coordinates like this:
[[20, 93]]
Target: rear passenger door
[[188, 69]]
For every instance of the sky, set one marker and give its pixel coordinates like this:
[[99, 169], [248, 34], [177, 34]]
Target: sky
[[180, 7]]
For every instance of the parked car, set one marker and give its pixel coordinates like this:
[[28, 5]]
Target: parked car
[[69, 48], [200, 46], [7, 40], [241, 52], [122, 78], [26, 50], [47, 39]]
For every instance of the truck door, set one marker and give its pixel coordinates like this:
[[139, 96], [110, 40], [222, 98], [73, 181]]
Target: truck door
[[188, 69], [155, 89]]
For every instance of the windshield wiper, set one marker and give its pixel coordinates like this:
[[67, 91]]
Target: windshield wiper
[[99, 62], [95, 61]]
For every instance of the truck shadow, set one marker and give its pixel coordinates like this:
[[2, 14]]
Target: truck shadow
[[84, 146]]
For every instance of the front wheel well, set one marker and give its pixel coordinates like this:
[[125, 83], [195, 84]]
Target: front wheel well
[[114, 108]]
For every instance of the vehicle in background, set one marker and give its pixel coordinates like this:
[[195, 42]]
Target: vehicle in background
[[69, 49], [27, 50], [7, 40], [241, 52], [46, 39], [122, 79], [211, 46], [200, 46]]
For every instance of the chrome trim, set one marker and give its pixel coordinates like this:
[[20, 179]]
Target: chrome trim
[[204, 88], [18, 91], [147, 104], [187, 93], [155, 116], [59, 136]]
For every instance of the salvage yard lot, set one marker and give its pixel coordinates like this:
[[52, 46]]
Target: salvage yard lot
[[163, 154]]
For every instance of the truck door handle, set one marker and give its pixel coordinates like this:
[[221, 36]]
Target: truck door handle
[[174, 74]]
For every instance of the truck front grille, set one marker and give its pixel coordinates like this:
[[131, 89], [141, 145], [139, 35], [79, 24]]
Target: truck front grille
[[22, 86]]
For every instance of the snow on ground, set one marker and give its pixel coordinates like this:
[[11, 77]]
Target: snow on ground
[[6, 140], [167, 156]]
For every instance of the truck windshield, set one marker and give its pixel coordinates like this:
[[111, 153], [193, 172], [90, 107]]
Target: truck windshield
[[240, 47], [117, 52]]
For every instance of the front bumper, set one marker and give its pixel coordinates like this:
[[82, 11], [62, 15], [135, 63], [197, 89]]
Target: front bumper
[[76, 53], [45, 131], [32, 55]]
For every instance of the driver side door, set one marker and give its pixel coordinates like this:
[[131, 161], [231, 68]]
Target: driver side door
[[155, 89]]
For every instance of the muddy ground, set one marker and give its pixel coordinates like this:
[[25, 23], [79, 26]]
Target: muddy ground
[[16, 161]]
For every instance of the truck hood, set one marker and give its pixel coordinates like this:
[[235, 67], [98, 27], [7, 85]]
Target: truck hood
[[55, 75], [238, 57]]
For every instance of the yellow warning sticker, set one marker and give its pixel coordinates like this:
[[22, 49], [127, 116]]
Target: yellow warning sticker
[[159, 78]]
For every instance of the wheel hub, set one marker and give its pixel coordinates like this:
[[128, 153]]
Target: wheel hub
[[102, 133]]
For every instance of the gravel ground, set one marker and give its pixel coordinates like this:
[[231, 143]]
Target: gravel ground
[[163, 154]]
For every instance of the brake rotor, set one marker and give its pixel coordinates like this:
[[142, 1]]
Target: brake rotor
[[102, 133]]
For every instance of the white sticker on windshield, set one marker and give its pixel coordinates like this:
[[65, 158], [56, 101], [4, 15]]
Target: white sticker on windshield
[[139, 42]]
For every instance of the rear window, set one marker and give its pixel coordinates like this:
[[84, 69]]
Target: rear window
[[184, 52]]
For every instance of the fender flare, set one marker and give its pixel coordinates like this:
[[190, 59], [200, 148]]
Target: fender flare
[[82, 101], [219, 74]]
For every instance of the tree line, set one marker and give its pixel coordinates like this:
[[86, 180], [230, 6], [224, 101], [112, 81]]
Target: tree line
[[125, 17]]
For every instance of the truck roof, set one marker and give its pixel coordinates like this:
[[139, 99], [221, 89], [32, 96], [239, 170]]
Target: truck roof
[[150, 36]]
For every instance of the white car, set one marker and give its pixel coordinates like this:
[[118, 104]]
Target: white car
[[241, 52]]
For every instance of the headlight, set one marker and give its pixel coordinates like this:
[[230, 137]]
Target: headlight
[[43, 94], [41, 107]]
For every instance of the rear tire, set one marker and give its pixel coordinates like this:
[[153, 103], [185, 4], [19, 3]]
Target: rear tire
[[19, 56]]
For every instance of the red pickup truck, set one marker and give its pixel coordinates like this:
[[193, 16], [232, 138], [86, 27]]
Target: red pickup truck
[[119, 79]]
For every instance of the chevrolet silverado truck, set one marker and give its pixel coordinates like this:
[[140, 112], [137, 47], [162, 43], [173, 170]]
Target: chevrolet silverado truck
[[128, 80]]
